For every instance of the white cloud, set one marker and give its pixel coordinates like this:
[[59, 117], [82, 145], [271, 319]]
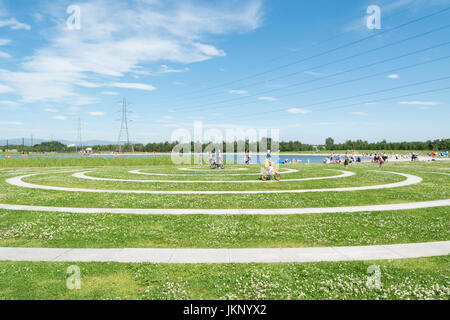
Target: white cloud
[[88, 84], [11, 103], [298, 111], [51, 110], [267, 98], [393, 76], [13, 24], [139, 86], [59, 118], [110, 93], [12, 123], [117, 38], [4, 42], [241, 92], [4, 55], [421, 103], [96, 113], [165, 69], [360, 113], [209, 50], [5, 89]]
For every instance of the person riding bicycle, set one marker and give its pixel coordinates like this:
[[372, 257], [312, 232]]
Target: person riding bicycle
[[268, 165]]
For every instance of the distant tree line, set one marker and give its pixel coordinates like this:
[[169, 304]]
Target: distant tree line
[[437, 145], [51, 146], [284, 146]]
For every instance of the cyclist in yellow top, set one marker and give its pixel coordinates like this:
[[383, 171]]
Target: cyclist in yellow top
[[268, 165]]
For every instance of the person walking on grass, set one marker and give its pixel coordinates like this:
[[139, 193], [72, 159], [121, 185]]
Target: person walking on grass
[[381, 160]]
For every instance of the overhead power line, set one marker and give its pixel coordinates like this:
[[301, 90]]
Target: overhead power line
[[200, 107], [349, 44], [339, 99], [330, 63]]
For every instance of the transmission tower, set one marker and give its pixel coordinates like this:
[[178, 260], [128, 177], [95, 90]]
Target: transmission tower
[[124, 136], [79, 137]]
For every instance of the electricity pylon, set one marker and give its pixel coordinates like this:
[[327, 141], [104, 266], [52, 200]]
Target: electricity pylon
[[79, 137], [124, 135]]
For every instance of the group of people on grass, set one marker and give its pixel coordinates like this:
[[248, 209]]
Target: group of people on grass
[[342, 159]]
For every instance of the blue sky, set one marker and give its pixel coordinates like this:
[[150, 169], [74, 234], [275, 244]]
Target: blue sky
[[230, 64]]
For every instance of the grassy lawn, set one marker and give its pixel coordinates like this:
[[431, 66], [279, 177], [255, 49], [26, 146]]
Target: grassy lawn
[[362, 177], [435, 186], [424, 278], [66, 230]]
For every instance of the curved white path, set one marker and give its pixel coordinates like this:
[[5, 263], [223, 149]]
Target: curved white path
[[444, 173], [82, 175], [368, 208], [263, 255], [286, 170], [209, 170], [410, 180]]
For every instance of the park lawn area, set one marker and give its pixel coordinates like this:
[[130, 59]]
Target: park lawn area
[[435, 186], [421, 278], [363, 177], [69, 230]]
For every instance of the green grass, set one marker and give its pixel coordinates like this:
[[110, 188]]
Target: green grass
[[424, 278], [434, 187], [363, 177], [67, 230], [49, 161]]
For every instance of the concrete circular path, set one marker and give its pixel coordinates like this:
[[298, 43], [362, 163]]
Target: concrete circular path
[[287, 211], [410, 180], [285, 171], [82, 175], [257, 255], [209, 170]]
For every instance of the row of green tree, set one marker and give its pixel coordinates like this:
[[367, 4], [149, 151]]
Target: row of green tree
[[437, 145], [51, 146], [284, 146]]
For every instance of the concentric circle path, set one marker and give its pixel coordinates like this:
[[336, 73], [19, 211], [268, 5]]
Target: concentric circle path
[[287, 211], [83, 175], [139, 171], [410, 180], [259, 255], [209, 170]]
